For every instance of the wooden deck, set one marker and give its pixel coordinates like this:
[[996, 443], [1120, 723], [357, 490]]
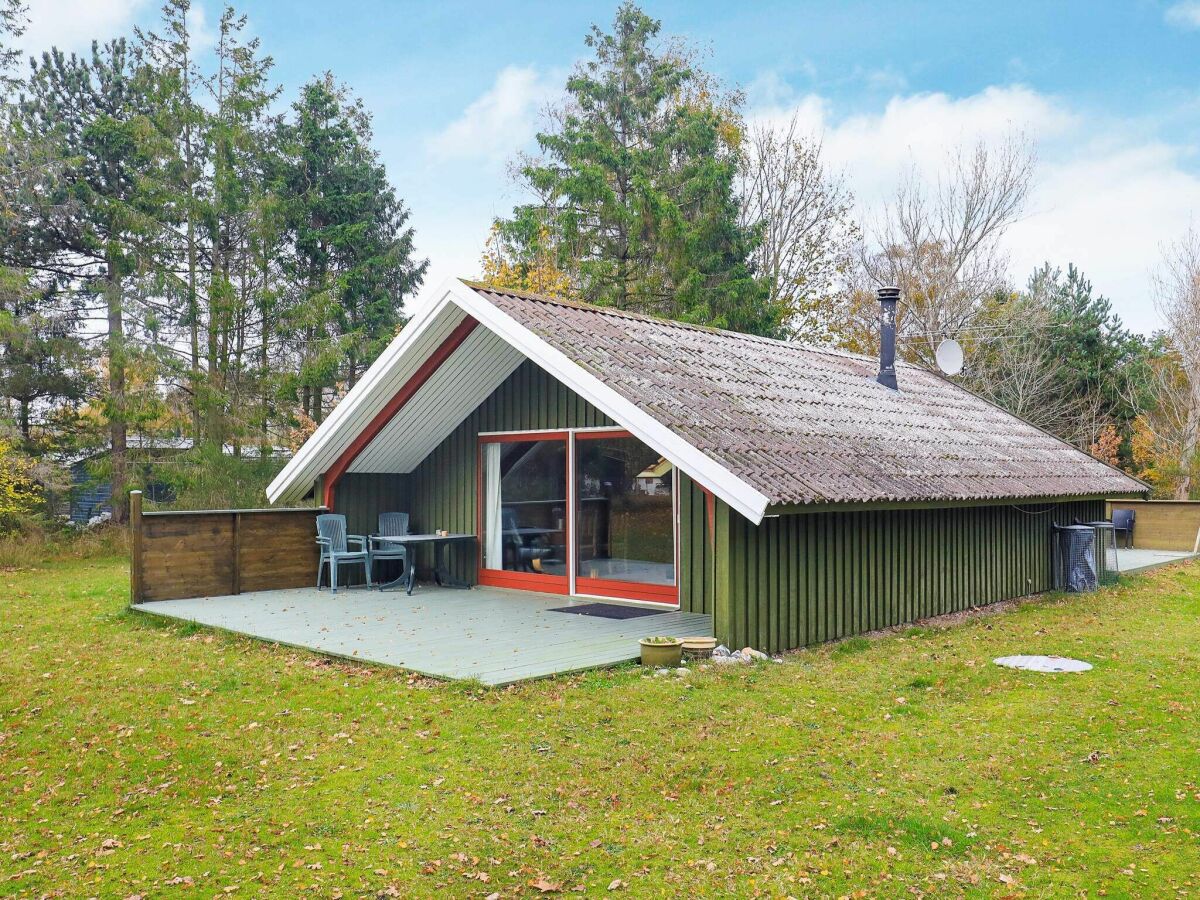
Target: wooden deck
[[496, 636]]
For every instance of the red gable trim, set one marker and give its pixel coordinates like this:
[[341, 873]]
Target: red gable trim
[[410, 387]]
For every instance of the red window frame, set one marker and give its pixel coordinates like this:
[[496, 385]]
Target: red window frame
[[523, 581], [666, 595], [627, 590]]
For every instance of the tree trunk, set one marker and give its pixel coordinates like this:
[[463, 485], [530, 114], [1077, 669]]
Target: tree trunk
[[1191, 432], [264, 360], [118, 430], [193, 303], [194, 317], [216, 297]]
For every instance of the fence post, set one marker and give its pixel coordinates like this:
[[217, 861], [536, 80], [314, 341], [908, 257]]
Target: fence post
[[235, 586], [135, 547]]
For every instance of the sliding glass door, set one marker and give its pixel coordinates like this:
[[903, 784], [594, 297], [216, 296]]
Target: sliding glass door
[[625, 519], [587, 512], [524, 512]]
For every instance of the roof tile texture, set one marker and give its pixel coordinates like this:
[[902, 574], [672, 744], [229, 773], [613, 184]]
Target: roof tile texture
[[805, 425]]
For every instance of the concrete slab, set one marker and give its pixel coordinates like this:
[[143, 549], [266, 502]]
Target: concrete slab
[[1135, 560], [496, 636]]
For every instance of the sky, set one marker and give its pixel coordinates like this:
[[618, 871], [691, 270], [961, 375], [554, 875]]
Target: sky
[[1107, 90]]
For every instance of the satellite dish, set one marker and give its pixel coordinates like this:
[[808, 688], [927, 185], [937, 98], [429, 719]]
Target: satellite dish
[[950, 357]]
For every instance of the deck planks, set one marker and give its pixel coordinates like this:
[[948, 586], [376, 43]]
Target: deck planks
[[496, 636]]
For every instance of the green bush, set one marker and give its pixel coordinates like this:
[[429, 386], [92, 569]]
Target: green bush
[[207, 478]]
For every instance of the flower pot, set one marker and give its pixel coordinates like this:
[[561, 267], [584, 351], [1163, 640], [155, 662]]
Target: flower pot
[[661, 654], [698, 647]]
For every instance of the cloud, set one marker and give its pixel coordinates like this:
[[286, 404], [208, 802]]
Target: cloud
[[1107, 194], [501, 120], [204, 35], [73, 24], [1184, 14]]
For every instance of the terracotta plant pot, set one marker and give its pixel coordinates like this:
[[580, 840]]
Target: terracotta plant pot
[[655, 654], [698, 647]]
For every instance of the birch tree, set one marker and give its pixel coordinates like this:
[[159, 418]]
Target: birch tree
[[1177, 297]]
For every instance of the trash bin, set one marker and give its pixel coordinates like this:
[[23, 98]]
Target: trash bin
[[1108, 568], [1075, 558]]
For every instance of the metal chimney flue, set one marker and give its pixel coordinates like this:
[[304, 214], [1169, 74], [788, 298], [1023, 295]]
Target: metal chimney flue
[[888, 298]]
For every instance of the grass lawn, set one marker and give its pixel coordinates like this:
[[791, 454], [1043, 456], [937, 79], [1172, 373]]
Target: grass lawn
[[140, 758]]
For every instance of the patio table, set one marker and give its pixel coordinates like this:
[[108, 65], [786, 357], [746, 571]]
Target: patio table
[[441, 569]]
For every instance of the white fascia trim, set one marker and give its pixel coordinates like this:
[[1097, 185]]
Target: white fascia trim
[[741, 496], [304, 468]]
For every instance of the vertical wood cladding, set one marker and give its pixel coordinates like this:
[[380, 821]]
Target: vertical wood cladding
[[803, 579]]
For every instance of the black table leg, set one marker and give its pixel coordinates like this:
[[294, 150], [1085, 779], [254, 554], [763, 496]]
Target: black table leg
[[410, 561], [441, 570]]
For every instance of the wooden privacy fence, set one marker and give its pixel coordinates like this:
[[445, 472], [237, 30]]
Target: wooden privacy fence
[[1163, 524], [205, 553]]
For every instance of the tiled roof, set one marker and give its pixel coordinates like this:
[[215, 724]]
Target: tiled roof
[[808, 425]]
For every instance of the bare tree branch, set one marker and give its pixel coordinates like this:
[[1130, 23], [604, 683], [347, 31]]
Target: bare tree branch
[[940, 243], [803, 213], [1177, 297]]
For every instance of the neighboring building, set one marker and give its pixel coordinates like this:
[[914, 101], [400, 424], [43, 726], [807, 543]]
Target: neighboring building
[[654, 478], [779, 488], [90, 495]]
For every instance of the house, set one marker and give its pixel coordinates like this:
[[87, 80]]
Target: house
[[90, 494], [653, 478], [788, 492]]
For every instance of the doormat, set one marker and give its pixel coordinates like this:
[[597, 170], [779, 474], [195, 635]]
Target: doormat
[[607, 611]]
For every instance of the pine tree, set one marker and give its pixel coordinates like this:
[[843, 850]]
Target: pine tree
[[637, 186], [94, 218], [1100, 356], [239, 133], [43, 363], [351, 262], [14, 16], [171, 66]]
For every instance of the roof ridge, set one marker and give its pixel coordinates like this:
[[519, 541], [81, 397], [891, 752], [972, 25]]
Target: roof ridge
[[675, 323]]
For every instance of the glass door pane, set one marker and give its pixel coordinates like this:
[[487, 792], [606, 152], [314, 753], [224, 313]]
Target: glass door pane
[[524, 513], [625, 519]]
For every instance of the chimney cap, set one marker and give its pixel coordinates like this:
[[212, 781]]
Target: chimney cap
[[889, 292]]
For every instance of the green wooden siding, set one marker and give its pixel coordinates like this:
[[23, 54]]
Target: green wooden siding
[[444, 486], [696, 549], [797, 579], [362, 496], [804, 579]]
